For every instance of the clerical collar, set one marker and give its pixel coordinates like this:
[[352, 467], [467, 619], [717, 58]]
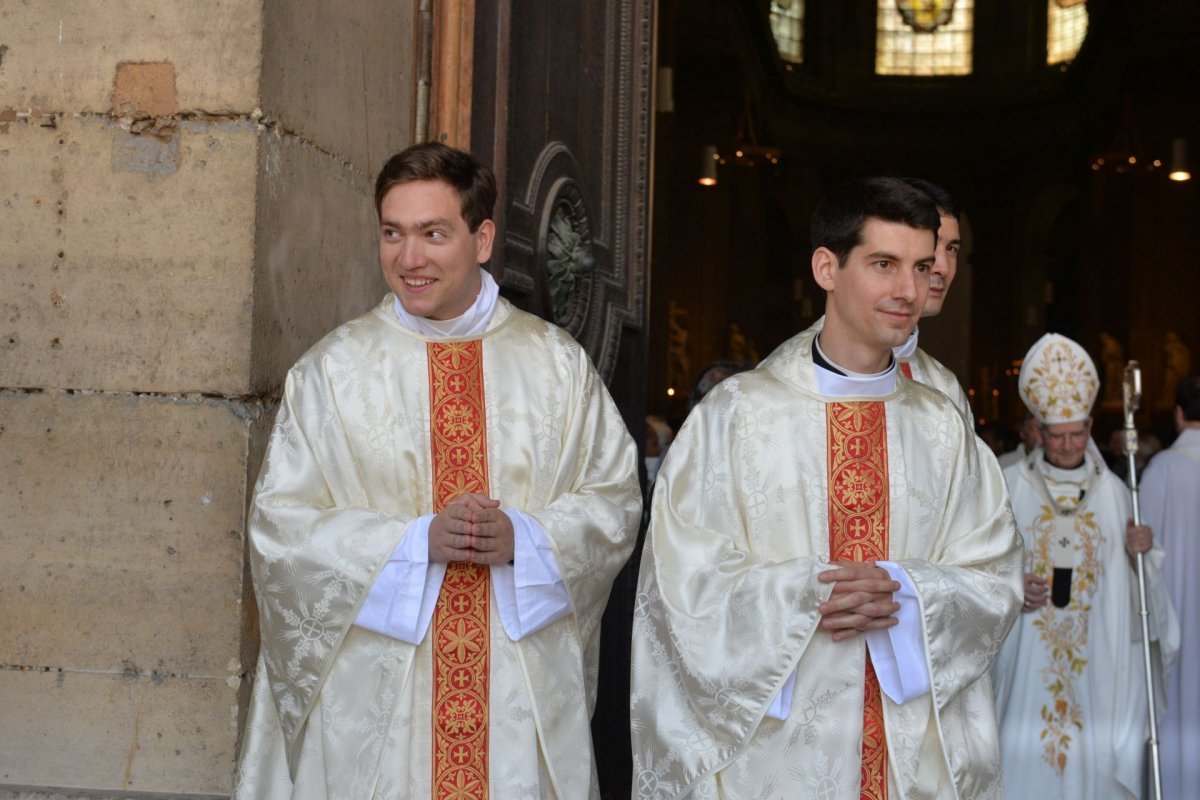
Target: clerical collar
[[1063, 474], [837, 381], [472, 323], [907, 350]]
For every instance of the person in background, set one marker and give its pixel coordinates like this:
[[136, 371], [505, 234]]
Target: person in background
[[1170, 500]]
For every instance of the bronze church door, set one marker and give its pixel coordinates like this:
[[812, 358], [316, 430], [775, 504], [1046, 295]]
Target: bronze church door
[[560, 106]]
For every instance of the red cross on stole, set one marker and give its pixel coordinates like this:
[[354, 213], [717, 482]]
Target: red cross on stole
[[458, 436], [858, 531]]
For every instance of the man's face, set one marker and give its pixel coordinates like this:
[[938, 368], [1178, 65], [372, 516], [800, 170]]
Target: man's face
[[1064, 442], [875, 298], [944, 266], [429, 257]]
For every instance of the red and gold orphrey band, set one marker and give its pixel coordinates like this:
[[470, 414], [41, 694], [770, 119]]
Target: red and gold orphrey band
[[458, 433], [858, 531]]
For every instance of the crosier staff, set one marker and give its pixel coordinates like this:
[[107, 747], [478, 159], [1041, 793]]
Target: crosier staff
[[1132, 386]]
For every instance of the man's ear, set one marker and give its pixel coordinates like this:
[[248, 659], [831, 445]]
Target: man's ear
[[824, 267], [485, 236]]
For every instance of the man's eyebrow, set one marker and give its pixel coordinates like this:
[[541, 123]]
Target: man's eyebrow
[[422, 225], [882, 255]]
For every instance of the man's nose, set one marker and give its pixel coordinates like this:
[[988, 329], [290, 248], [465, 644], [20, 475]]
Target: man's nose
[[941, 264], [905, 286], [412, 253]]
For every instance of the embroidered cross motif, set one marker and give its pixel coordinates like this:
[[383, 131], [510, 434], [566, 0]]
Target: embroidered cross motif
[[461, 631], [856, 436]]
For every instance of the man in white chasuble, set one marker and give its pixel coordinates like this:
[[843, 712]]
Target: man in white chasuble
[[831, 563], [447, 496], [1070, 680]]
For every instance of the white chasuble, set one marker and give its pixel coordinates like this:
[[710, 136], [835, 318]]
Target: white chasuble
[[727, 606], [339, 711], [1171, 506], [1070, 690], [920, 366]]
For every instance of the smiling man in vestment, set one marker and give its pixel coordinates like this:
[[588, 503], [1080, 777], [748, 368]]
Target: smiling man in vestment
[[831, 563], [447, 496]]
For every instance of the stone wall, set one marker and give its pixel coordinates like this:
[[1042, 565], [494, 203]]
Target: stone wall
[[185, 206]]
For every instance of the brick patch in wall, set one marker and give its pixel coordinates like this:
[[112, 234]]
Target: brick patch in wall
[[144, 89]]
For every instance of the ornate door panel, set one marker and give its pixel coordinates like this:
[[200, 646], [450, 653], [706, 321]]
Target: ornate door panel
[[561, 108]]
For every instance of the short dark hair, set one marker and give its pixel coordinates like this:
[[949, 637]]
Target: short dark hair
[[1187, 397], [838, 220], [944, 200], [433, 161]]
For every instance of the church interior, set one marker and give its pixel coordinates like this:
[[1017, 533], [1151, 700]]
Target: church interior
[[1062, 128]]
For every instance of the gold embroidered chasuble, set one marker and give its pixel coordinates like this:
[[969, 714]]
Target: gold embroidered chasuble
[[728, 596], [340, 711], [1069, 681]]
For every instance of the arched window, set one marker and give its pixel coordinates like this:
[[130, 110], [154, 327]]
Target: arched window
[[1066, 26], [787, 26], [924, 37]]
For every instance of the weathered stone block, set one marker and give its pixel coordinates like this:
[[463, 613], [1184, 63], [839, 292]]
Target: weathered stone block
[[84, 731], [61, 55], [317, 253], [121, 547], [128, 259], [342, 75]]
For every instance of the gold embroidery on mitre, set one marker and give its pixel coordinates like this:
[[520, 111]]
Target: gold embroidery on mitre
[[458, 435], [856, 435], [1058, 380]]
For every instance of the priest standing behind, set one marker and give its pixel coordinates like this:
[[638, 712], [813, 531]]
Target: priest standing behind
[[915, 362], [447, 495], [831, 562], [1070, 681], [1171, 505]]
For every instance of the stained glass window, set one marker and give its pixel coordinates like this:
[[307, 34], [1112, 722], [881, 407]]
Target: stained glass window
[[1067, 24], [924, 37], [787, 26]]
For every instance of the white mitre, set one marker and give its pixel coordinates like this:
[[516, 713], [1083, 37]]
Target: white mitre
[[1058, 380]]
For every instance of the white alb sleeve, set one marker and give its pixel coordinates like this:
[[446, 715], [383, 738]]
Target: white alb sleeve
[[781, 706], [401, 601], [530, 593], [898, 652]]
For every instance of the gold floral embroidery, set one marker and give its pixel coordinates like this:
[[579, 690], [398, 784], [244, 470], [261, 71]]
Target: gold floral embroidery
[[1065, 630]]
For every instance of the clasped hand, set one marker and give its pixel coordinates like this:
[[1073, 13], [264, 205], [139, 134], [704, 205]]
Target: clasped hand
[[471, 528], [861, 600]]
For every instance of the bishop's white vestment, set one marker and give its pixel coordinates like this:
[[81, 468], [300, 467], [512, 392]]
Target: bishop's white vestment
[[374, 421], [1170, 500], [727, 607], [1070, 686]]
